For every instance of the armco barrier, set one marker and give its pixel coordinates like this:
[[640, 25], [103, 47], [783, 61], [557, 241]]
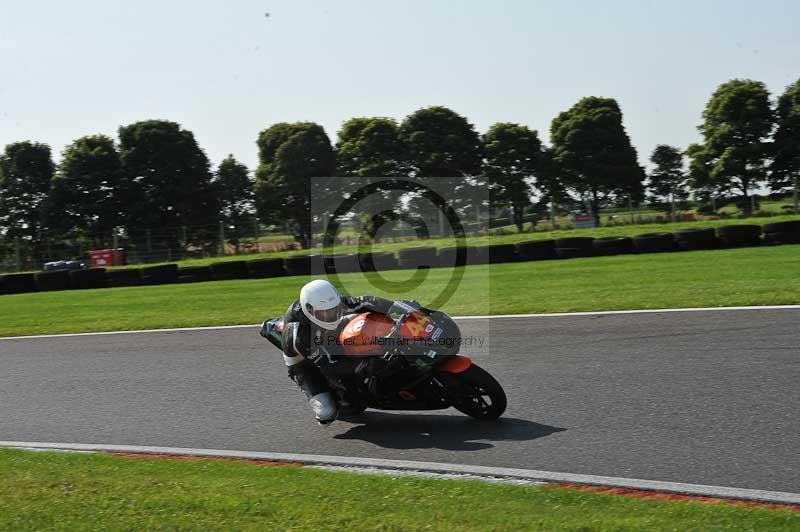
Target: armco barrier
[[18, 283], [125, 277], [194, 274], [223, 271], [263, 268], [54, 280], [163, 274], [91, 278], [537, 250]]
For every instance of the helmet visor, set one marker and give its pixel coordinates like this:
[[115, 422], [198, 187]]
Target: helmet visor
[[331, 315]]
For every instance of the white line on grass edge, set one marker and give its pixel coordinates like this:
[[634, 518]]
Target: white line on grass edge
[[493, 316], [434, 467]]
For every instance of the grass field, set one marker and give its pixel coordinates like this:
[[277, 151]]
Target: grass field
[[489, 239], [748, 276], [69, 491]]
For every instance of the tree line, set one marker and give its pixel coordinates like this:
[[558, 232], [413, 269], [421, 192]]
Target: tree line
[[155, 175]]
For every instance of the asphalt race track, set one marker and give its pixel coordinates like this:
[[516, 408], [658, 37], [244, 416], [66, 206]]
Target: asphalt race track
[[697, 397]]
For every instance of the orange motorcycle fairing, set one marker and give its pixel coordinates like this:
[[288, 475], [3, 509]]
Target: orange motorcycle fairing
[[456, 364], [360, 335]]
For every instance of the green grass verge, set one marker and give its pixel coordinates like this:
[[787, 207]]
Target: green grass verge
[[748, 276], [67, 491], [490, 239]]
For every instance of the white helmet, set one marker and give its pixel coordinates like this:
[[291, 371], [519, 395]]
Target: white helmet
[[321, 304]]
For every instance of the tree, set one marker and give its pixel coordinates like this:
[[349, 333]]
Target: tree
[[594, 153], [167, 186], [290, 155], [549, 182], [736, 123], [26, 172], [668, 178], [84, 199], [440, 143], [513, 154], [236, 195], [369, 147], [785, 168]]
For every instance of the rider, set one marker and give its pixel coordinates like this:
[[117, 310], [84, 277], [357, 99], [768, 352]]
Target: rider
[[308, 324]]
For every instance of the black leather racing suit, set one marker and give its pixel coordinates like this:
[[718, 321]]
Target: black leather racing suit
[[309, 352]]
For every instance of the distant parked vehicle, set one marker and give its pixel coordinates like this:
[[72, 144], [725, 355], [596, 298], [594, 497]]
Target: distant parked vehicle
[[63, 265]]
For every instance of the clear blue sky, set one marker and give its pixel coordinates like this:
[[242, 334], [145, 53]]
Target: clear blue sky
[[226, 71]]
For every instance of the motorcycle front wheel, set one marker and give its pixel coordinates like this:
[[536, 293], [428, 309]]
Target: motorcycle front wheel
[[481, 395]]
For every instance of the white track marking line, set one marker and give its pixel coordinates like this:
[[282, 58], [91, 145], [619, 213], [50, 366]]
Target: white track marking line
[[491, 317], [434, 467], [639, 311]]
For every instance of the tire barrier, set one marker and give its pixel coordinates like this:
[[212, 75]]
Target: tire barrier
[[740, 235], [341, 263], [583, 243], [737, 235], [125, 277], [298, 265], [19, 283], [654, 242], [194, 274], [450, 257], [782, 238], [696, 238], [614, 245], [418, 257], [572, 253], [377, 261], [52, 281], [227, 270], [537, 250], [502, 253], [263, 268], [164, 274], [91, 278], [783, 232], [792, 226]]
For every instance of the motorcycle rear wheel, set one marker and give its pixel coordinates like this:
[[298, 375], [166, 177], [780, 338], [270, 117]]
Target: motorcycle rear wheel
[[485, 398]]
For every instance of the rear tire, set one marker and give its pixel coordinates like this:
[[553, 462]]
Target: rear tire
[[484, 398]]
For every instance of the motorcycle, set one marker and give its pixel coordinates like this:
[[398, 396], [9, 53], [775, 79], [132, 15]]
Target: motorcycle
[[405, 360]]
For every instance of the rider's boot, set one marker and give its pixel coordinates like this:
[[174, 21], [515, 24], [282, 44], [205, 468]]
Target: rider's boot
[[313, 384]]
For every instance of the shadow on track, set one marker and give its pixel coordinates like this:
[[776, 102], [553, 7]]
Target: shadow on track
[[437, 431]]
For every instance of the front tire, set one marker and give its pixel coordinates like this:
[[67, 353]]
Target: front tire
[[481, 396]]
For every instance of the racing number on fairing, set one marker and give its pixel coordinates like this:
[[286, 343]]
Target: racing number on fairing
[[417, 326]]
